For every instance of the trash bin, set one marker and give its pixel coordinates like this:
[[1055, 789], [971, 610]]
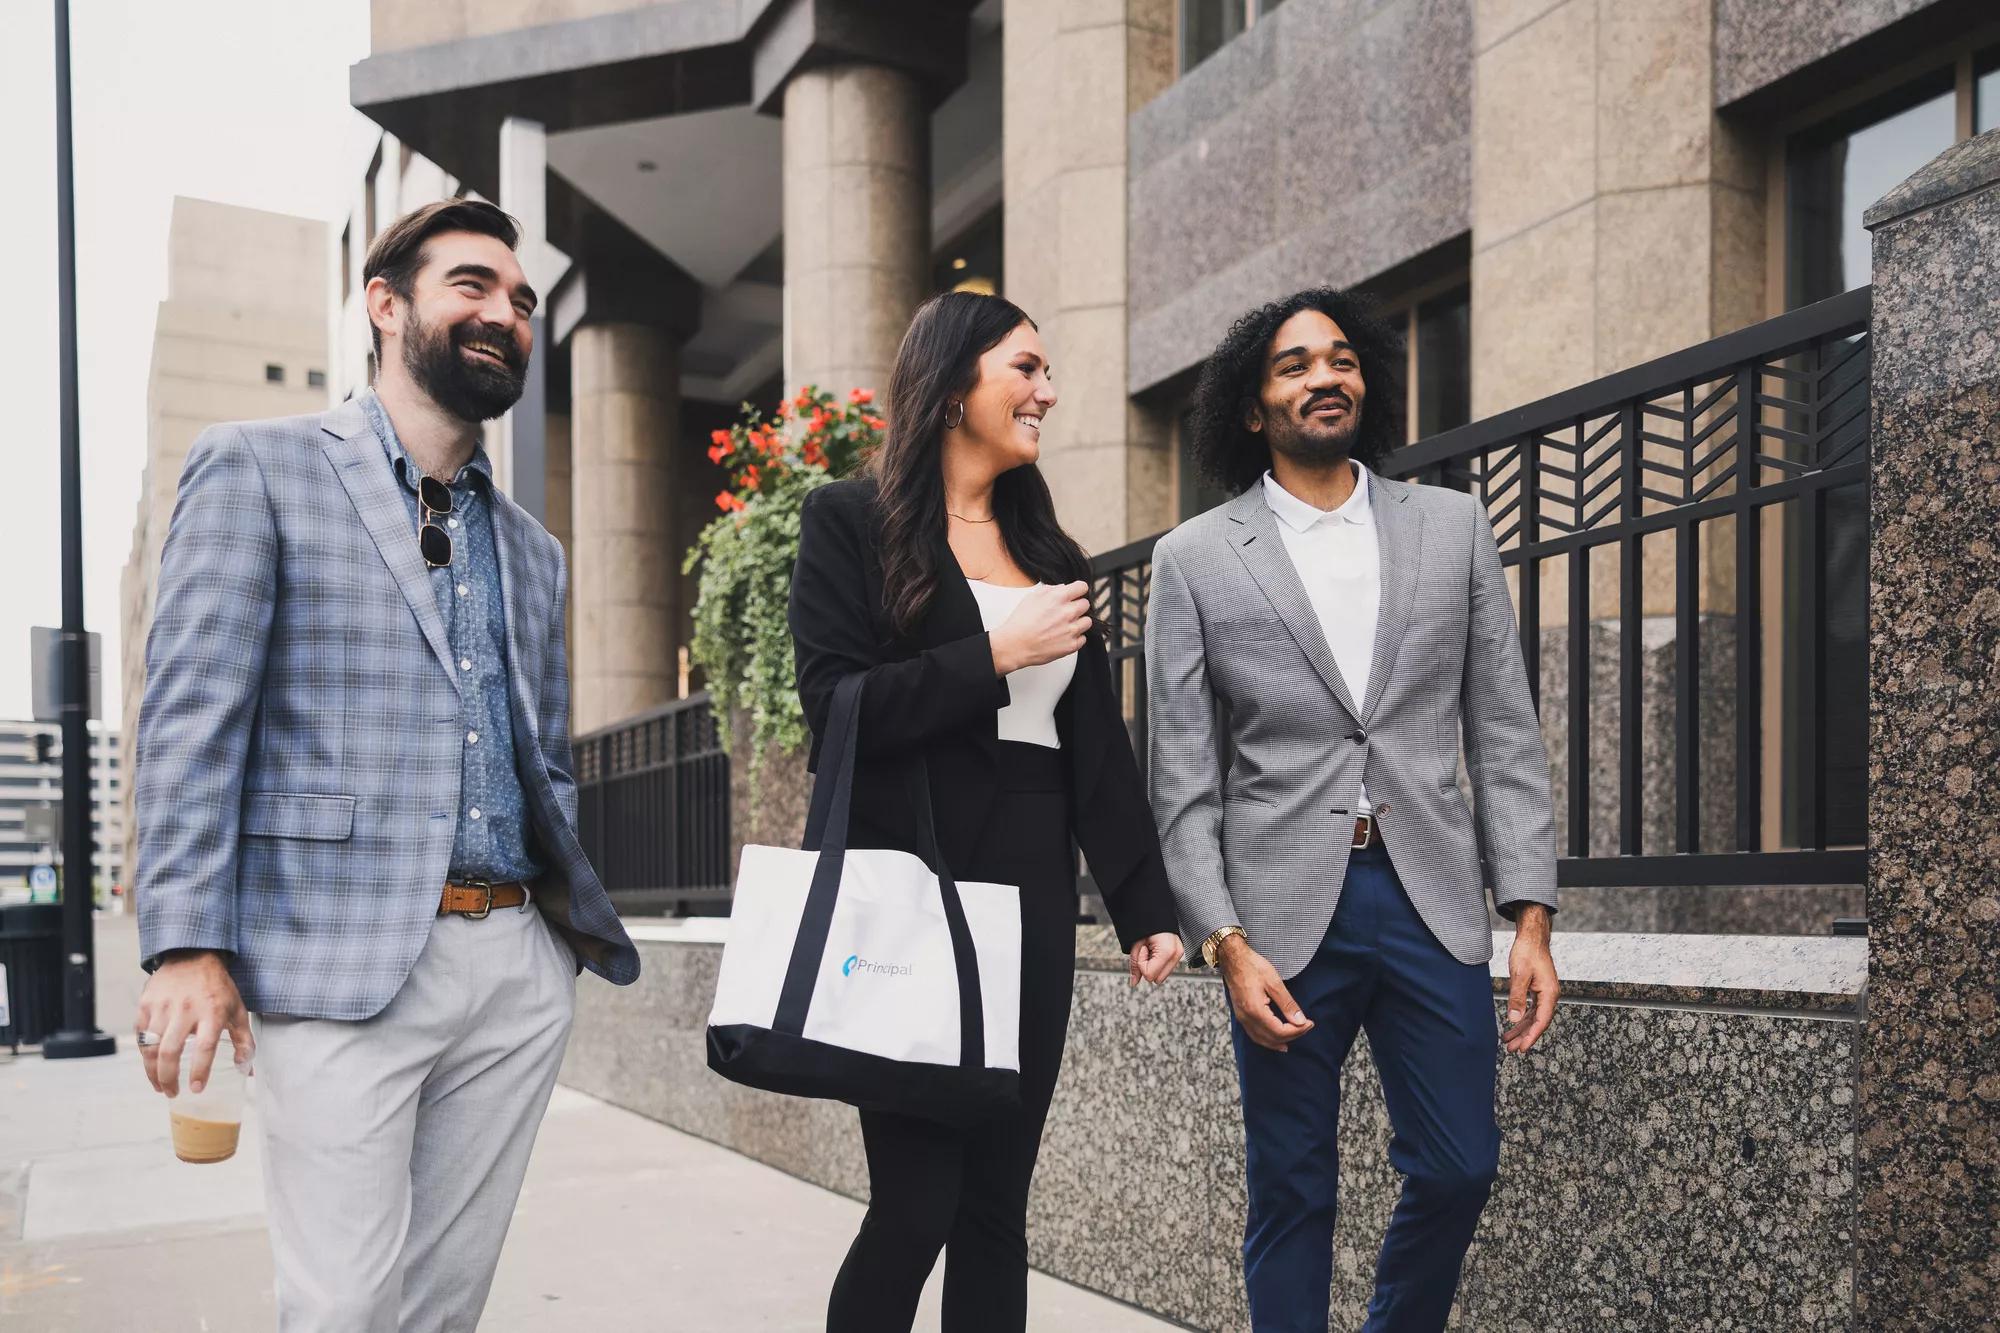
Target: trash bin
[[31, 951]]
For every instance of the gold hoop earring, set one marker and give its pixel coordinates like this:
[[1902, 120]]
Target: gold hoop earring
[[949, 422]]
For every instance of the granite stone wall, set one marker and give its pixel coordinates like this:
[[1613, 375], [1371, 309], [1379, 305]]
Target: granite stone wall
[[1676, 1157], [1759, 42], [1930, 1078], [1329, 143]]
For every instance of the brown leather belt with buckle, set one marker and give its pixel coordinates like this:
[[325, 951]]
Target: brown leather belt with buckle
[[476, 901], [1367, 833]]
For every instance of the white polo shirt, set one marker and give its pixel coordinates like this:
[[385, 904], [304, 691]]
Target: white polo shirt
[[1340, 564]]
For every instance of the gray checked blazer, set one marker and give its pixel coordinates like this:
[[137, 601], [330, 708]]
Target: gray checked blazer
[[1264, 843], [299, 744]]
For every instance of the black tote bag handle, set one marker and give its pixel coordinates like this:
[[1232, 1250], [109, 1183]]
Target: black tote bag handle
[[827, 832]]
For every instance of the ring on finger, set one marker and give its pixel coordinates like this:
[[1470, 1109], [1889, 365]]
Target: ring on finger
[[148, 1038]]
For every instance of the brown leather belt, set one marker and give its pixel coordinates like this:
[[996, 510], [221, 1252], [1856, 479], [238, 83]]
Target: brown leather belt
[[476, 901], [1367, 833]]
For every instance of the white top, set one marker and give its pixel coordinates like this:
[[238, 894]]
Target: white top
[[1340, 563], [1033, 692]]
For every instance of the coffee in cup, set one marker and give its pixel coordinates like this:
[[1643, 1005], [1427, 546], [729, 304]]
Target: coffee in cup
[[207, 1124]]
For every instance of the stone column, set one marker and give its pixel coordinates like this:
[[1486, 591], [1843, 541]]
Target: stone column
[[1615, 218], [628, 617], [857, 221], [1927, 1249], [1073, 76]]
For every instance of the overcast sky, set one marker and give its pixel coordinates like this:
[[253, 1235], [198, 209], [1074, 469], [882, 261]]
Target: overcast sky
[[240, 101]]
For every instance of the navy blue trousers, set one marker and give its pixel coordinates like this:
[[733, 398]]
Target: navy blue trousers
[[1434, 1034]]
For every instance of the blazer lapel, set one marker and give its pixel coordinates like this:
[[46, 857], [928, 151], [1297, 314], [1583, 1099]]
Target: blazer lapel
[[363, 468], [1399, 529], [507, 543], [1254, 534], [954, 612]]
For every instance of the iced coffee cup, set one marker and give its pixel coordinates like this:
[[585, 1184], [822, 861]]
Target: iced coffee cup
[[206, 1123]]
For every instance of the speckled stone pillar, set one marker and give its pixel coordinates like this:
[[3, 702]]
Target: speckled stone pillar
[[625, 591], [1927, 1253], [1074, 74], [857, 222]]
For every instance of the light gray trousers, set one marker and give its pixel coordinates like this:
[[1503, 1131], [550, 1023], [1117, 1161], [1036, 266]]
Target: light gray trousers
[[394, 1147]]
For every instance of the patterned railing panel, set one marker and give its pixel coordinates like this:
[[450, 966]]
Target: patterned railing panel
[[1659, 510]]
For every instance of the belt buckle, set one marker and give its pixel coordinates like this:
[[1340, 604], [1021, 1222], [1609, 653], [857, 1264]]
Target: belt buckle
[[1361, 840], [485, 886]]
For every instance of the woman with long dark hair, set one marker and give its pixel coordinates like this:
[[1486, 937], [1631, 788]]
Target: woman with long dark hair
[[943, 574]]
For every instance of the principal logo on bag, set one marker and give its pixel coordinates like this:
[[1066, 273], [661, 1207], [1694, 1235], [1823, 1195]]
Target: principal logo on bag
[[856, 963]]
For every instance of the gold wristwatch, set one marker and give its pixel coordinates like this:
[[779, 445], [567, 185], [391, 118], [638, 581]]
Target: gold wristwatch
[[1213, 943]]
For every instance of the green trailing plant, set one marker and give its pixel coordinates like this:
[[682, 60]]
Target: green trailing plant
[[741, 640]]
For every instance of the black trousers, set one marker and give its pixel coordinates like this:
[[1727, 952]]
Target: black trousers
[[965, 1191]]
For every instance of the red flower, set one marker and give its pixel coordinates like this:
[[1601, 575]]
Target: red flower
[[727, 502], [804, 400], [814, 455], [718, 452], [719, 438], [874, 423], [861, 396], [818, 422], [751, 477]]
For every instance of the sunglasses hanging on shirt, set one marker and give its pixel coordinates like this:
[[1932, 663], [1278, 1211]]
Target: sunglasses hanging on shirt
[[435, 499]]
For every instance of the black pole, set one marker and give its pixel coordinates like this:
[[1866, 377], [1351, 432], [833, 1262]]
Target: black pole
[[79, 1034]]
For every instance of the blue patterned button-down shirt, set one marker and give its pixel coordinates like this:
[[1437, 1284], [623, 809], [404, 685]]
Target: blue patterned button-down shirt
[[493, 838]]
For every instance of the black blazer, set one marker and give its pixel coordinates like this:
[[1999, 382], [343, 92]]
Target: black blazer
[[937, 691]]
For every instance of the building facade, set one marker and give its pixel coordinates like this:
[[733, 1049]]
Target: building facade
[[31, 777], [241, 335], [749, 196]]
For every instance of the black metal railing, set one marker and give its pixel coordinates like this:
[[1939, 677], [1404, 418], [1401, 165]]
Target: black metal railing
[[1702, 450], [653, 809], [1766, 427]]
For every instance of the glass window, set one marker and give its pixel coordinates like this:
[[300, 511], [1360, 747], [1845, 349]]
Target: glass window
[[971, 262], [274, 374], [1444, 362], [1209, 25], [1198, 496], [1835, 172], [315, 379], [1986, 94]]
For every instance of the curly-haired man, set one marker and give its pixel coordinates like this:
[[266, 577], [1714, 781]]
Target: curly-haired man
[[1338, 629]]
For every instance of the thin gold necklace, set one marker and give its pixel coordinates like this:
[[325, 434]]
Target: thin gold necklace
[[963, 519]]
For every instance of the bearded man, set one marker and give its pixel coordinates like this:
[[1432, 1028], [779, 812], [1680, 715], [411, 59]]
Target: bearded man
[[356, 807], [1313, 649]]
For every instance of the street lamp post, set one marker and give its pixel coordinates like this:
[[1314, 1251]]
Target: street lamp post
[[79, 1035]]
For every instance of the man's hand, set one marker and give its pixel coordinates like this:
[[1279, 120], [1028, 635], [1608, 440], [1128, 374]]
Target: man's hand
[[1155, 958], [1530, 971], [1258, 995], [189, 1001]]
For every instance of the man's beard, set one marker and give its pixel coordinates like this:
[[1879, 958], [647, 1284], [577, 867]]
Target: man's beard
[[467, 389], [1287, 435]]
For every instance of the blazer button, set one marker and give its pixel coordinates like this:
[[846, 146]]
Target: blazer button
[[1359, 737]]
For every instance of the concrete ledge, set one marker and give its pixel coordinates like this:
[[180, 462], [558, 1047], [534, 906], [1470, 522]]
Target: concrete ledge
[[1684, 1165], [1776, 972]]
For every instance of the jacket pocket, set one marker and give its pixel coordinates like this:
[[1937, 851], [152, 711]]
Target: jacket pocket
[[1233, 631], [270, 814]]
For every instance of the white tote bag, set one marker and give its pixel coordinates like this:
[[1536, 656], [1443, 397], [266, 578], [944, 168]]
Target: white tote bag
[[862, 975]]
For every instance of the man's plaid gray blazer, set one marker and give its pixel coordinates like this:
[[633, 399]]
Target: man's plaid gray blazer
[[1264, 844], [299, 744]]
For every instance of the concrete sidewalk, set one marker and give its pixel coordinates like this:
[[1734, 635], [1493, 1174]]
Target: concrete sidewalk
[[624, 1224]]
